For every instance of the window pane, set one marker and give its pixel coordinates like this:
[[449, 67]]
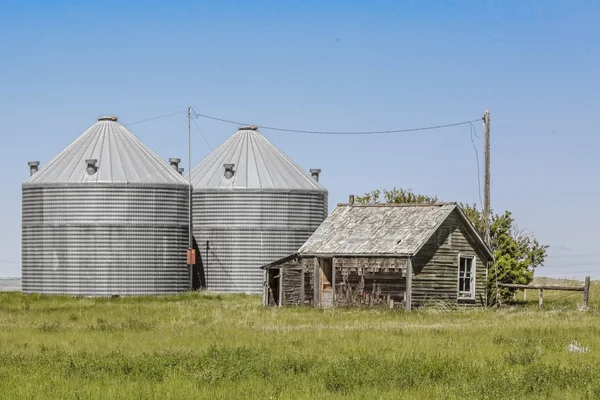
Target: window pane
[[465, 275]]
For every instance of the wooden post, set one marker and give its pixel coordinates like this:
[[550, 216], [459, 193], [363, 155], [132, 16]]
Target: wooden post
[[280, 286], [541, 298], [265, 301], [487, 238], [586, 293], [303, 285], [409, 272], [524, 294], [333, 282], [486, 187]]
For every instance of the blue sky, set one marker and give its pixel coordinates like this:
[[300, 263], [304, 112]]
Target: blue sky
[[335, 65]]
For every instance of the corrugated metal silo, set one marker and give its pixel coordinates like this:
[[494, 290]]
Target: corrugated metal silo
[[251, 205], [106, 216]]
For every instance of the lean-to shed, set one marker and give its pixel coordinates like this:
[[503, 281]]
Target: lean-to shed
[[384, 254], [106, 216], [251, 205]]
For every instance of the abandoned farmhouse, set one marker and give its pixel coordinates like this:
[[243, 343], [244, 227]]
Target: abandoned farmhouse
[[393, 255]]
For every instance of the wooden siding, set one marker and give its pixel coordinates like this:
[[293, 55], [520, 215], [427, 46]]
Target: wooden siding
[[291, 285], [436, 266], [309, 283], [363, 288]]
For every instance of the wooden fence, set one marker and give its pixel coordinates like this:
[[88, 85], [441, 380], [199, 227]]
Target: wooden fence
[[585, 289]]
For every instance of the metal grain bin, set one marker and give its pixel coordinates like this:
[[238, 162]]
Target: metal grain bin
[[251, 206], [106, 216]]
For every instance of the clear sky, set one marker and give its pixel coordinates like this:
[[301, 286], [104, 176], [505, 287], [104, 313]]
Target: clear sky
[[326, 65]]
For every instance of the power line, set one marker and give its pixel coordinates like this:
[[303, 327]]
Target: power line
[[155, 118], [200, 130], [339, 132], [473, 131]]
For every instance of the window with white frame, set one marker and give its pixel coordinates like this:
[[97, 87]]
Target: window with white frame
[[466, 277]]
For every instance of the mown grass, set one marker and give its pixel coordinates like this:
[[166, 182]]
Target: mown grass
[[214, 346]]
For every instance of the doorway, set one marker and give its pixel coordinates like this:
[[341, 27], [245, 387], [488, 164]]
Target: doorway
[[327, 282], [274, 287]]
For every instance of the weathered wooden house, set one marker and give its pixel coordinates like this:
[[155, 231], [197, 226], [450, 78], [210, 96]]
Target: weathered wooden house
[[394, 255]]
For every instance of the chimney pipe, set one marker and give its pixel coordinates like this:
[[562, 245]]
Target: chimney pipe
[[229, 170], [33, 167], [315, 174], [174, 163], [180, 170], [91, 166], [351, 200]]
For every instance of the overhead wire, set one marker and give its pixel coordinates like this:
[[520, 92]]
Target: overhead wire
[[337, 132], [473, 131], [200, 130], [155, 118]]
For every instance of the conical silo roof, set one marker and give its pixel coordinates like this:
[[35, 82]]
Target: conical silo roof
[[115, 155], [256, 164]]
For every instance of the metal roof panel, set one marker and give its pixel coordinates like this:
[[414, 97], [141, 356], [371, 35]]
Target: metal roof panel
[[258, 165], [121, 158]]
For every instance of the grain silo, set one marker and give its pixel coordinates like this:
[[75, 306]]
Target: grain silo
[[106, 216], [251, 205]]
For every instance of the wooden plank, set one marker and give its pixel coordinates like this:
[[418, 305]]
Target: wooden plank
[[333, 282], [409, 272], [546, 287], [280, 286], [302, 286], [317, 282], [265, 301]]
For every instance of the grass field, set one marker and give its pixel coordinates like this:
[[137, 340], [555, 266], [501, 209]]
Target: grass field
[[224, 347]]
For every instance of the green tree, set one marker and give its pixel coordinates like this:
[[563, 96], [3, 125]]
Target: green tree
[[516, 254]]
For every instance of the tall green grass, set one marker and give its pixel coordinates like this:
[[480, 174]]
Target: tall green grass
[[214, 346]]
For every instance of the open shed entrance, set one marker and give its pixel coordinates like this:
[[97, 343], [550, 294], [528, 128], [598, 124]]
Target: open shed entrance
[[274, 286], [327, 282]]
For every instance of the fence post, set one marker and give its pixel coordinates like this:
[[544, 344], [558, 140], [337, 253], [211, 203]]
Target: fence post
[[524, 294], [541, 299], [586, 293]]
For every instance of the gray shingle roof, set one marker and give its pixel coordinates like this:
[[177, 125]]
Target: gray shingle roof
[[258, 164], [386, 229], [121, 158]]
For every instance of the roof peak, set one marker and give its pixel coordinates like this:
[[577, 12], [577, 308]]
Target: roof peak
[[440, 204], [108, 118]]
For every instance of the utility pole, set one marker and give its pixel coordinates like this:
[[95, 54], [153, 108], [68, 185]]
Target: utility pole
[[191, 251], [486, 190]]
